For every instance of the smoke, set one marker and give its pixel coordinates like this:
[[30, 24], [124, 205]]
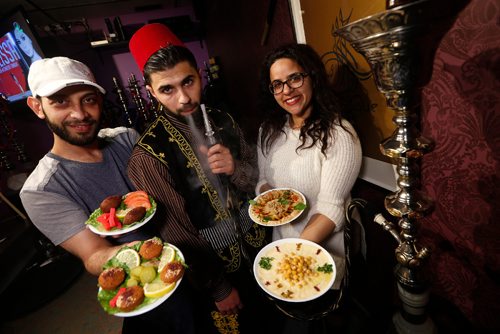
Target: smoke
[[200, 140]]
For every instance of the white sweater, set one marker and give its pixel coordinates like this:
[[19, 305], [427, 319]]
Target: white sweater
[[326, 182]]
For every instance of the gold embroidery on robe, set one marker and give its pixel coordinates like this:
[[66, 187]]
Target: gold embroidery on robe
[[192, 161], [226, 324], [255, 236], [231, 256]]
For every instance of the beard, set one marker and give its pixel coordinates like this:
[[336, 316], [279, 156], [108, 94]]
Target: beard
[[75, 139]]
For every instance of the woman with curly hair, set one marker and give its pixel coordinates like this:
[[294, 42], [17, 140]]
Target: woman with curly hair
[[306, 144]]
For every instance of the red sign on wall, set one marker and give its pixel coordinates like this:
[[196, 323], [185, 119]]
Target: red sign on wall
[[13, 70]]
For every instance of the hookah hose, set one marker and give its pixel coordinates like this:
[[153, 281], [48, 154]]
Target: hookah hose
[[228, 197]]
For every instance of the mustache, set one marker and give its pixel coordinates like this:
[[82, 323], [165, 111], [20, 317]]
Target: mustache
[[89, 121], [189, 107]]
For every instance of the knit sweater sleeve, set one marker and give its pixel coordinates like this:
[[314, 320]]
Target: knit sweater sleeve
[[339, 171]]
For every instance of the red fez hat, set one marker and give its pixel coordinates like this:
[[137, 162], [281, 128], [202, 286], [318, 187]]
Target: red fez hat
[[149, 39]]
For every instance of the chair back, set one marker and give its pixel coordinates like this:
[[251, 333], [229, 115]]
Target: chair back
[[331, 301]]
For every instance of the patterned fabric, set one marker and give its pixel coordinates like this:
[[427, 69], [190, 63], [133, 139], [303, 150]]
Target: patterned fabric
[[461, 106], [225, 324], [190, 212]]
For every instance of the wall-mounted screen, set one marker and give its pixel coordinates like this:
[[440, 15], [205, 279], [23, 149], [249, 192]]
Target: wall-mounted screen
[[18, 49]]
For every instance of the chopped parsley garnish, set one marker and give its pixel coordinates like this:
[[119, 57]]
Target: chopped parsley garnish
[[265, 262], [326, 268], [283, 201], [300, 206]]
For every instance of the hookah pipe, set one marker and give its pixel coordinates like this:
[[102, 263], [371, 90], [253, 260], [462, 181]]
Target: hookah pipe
[[136, 96], [404, 249], [11, 134], [21, 154], [152, 104], [4, 160], [121, 97], [211, 140], [231, 202]]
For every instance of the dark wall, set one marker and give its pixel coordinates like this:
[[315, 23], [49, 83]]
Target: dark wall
[[106, 62], [233, 34], [232, 31]]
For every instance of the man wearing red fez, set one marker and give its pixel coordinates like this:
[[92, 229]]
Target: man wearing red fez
[[188, 177]]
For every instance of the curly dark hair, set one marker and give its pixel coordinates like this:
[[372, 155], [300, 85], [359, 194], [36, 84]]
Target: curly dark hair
[[325, 103], [166, 58]]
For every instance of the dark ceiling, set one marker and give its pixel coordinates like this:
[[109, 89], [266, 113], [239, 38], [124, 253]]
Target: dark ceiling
[[42, 12]]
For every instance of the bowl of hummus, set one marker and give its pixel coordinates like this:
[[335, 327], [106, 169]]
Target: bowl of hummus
[[294, 270]]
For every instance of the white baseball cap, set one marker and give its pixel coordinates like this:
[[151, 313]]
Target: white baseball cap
[[50, 75]]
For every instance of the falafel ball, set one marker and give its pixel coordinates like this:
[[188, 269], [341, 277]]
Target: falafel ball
[[134, 215], [110, 202], [111, 278], [130, 298], [172, 272], [151, 248]]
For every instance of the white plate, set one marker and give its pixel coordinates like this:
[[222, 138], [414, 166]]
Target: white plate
[[273, 223], [157, 302], [127, 229], [267, 278]]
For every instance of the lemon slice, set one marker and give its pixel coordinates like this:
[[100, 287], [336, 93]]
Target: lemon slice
[[130, 257], [157, 289], [120, 214], [167, 255]]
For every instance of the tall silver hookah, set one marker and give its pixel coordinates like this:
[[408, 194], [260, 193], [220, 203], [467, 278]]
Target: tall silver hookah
[[228, 197], [398, 44]]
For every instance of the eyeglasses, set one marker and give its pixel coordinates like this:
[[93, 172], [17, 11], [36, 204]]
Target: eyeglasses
[[295, 80]]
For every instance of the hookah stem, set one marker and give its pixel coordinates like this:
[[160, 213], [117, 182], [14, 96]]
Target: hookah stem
[[21, 154], [134, 86], [230, 201], [152, 103], [4, 160], [119, 92]]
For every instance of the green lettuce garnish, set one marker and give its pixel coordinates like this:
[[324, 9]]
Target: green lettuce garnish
[[97, 212]]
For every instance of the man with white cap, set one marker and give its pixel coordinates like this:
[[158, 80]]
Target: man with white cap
[[218, 241], [69, 182], [85, 165]]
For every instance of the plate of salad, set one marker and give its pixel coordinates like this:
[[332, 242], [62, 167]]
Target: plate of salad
[[140, 277], [122, 214]]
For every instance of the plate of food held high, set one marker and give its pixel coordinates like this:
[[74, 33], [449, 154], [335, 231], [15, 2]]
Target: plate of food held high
[[294, 270], [122, 214], [277, 207], [140, 277]]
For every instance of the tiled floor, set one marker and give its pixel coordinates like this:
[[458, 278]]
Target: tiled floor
[[75, 311]]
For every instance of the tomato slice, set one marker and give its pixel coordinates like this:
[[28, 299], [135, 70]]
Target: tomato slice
[[104, 220], [139, 202], [136, 193]]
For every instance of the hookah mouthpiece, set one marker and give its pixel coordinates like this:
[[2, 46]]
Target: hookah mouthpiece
[[209, 132]]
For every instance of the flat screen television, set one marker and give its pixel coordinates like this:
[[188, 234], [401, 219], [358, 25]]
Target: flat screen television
[[18, 49]]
